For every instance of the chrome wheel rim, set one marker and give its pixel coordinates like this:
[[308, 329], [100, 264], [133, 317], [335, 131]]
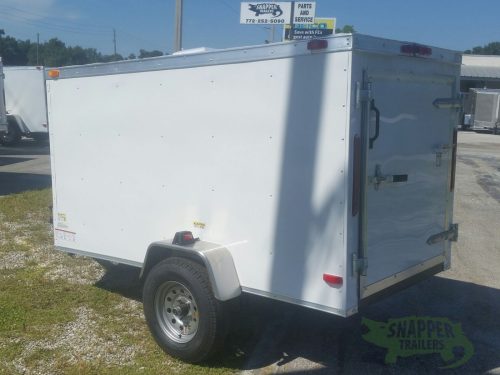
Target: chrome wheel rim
[[176, 311]]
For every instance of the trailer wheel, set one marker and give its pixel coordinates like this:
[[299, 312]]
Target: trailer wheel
[[40, 137], [13, 135], [181, 310]]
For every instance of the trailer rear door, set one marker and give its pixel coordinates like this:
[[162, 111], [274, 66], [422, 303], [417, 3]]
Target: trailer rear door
[[408, 174]]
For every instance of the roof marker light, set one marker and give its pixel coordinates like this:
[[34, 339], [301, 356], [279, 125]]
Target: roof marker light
[[416, 50], [332, 279], [54, 73], [317, 44]]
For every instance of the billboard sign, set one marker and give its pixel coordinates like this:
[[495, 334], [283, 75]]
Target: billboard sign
[[259, 13], [304, 12], [321, 28]]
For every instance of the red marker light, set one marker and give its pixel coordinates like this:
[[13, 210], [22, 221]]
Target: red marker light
[[332, 279], [416, 50], [317, 44], [184, 238]]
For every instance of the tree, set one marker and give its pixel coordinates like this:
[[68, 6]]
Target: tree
[[56, 53], [143, 53], [492, 48], [347, 29], [13, 52]]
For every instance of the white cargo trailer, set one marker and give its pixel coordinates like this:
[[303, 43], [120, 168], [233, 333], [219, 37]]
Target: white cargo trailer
[[319, 173], [486, 110], [26, 103], [3, 111]]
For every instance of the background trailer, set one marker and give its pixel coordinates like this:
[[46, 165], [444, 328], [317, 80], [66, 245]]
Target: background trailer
[[3, 111], [318, 173], [26, 103]]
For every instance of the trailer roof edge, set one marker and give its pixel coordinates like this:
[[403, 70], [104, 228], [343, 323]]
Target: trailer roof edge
[[337, 43]]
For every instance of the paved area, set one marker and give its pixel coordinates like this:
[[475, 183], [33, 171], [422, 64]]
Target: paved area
[[24, 167], [294, 340]]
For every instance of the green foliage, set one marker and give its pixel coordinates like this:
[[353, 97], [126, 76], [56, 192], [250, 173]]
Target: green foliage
[[492, 48], [13, 51], [55, 53], [347, 29], [50, 323], [143, 53]]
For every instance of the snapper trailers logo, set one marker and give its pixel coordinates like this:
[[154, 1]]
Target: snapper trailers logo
[[266, 8], [412, 335]]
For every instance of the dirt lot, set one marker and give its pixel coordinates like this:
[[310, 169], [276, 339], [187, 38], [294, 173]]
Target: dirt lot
[[60, 314]]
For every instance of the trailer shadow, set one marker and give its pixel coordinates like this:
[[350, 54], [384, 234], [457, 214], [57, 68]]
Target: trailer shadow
[[26, 147], [121, 279], [268, 336], [276, 337], [12, 182]]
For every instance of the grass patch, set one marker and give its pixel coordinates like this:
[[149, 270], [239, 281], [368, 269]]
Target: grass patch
[[62, 314]]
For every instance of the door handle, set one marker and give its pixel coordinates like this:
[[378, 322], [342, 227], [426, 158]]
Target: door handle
[[377, 122]]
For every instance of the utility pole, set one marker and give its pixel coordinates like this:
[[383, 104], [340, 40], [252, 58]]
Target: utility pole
[[178, 26], [114, 42], [37, 46]]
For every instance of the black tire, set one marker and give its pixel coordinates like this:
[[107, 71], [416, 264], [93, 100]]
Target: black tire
[[13, 135], [40, 137], [205, 311]]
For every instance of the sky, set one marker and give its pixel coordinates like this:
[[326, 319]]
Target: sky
[[149, 24]]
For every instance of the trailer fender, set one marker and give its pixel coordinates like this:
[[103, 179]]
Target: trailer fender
[[217, 260]]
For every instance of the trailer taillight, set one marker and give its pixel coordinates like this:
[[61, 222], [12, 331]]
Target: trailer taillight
[[356, 175], [332, 279], [416, 50], [453, 160], [53, 73], [317, 44]]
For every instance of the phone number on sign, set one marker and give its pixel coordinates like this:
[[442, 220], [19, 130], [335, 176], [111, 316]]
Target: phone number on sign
[[264, 21]]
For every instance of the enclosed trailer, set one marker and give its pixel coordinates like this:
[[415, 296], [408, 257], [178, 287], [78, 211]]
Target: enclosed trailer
[[318, 173], [486, 110], [25, 99], [3, 111]]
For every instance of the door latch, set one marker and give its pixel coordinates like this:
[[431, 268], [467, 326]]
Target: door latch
[[380, 178]]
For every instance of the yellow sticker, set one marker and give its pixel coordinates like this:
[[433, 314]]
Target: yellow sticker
[[199, 224]]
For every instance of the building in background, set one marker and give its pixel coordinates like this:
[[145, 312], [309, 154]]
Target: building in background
[[480, 71]]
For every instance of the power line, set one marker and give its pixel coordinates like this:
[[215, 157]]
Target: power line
[[41, 24], [51, 17], [98, 31]]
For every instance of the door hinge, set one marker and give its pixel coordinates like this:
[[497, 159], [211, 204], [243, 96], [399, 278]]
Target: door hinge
[[359, 265], [362, 94], [448, 235]]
